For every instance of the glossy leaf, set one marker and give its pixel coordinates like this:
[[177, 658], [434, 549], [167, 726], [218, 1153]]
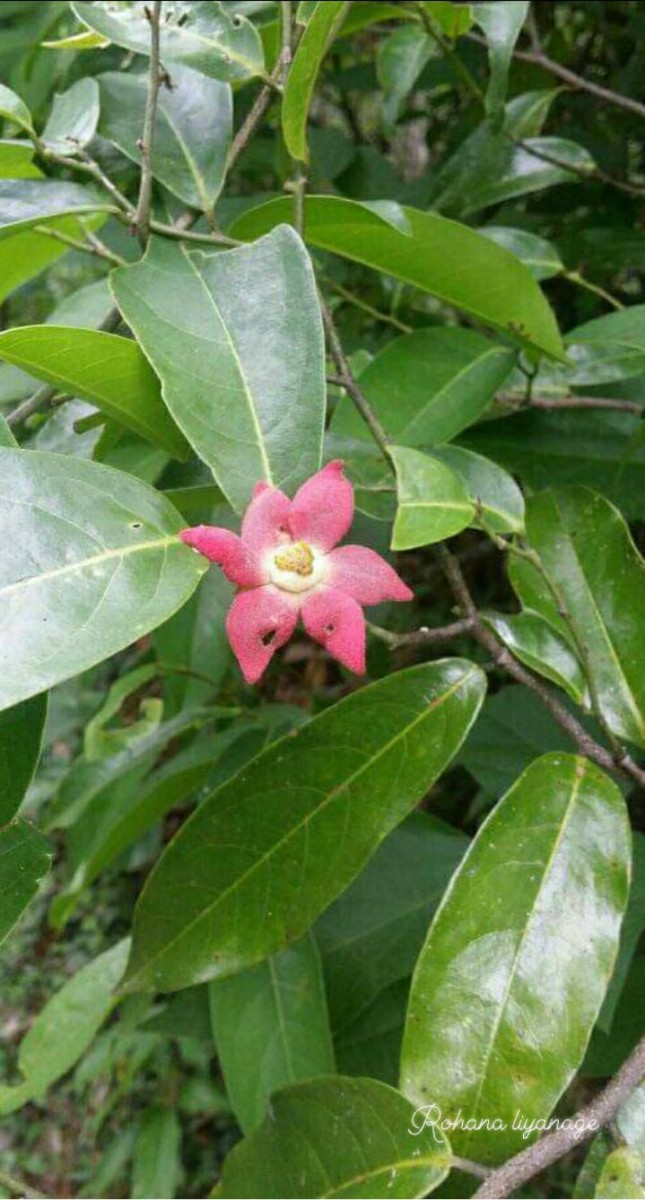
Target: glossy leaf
[[16, 160], [86, 40], [454, 19], [519, 954], [439, 256], [27, 202], [65, 1027], [498, 501], [84, 548], [502, 24], [371, 935], [320, 30], [540, 256], [288, 857], [105, 368], [513, 729], [73, 119], [431, 501], [6, 436], [608, 348], [25, 859], [192, 130], [371, 1043], [630, 934], [204, 36], [192, 645], [13, 109], [530, 638], [604, 595], [271, 1028], [370, 1153], [583, 446], [244, 381], [21, 732], [429, 385], [622, 1176]]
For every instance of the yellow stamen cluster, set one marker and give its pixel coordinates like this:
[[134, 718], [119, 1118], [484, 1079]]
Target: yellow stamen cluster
[[297, 558]]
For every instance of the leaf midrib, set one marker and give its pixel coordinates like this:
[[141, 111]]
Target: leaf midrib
[[294, 829], [82, 564]]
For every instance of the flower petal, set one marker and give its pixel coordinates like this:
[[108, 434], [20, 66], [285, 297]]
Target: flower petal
[[323, 508], [257, 624], [336, 621], [237, 561], [266, 520], [364, 575]]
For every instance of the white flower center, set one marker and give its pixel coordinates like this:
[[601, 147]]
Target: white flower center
[[295, 567]]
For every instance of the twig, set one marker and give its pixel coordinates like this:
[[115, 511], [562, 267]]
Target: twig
[[630, 189], [141, 223], [93, 245], [524, 1166], [580, 281], [20, 1189], [423, 636], [469, 1167], [509, 400], [40, 399], [88, 166], [539, 59], [363, 405], [385, 318], [181, 233]]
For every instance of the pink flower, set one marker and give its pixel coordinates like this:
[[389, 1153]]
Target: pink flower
[[285, 566]]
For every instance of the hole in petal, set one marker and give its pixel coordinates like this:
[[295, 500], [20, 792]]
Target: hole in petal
[[329, 629], [268, 637], [135, 525]]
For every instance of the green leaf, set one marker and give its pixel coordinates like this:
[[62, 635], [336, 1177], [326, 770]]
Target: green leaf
[[203, 35], [25, 254], [622, 1176], [630, 1119], [21, 733], [490, 166], [603, 593], [540, 256], [90, 561], [431, 501], [6, 436], [156, 1167], [102, 367], [400, 60], [271, 1028], [502, 24], [12, 108], [16, 161], [498, 501], [519, 955], [607, 349], [319, 33], [27, 202], [194, 640], [453, 19], [65, 1027], [337, 1137], [371, 935], [192, 130], [572, 447], [633, 926], [537, 644], [429, 385], [25, 859], [372, 757], [439, 256], [73, 119], [244, 381], [513, 729], [371, 1044]]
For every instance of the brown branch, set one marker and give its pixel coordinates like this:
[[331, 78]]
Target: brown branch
[[380, 435], [565, 402], [539, 59], [424, 636], [141, 223], [524, 1166]]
